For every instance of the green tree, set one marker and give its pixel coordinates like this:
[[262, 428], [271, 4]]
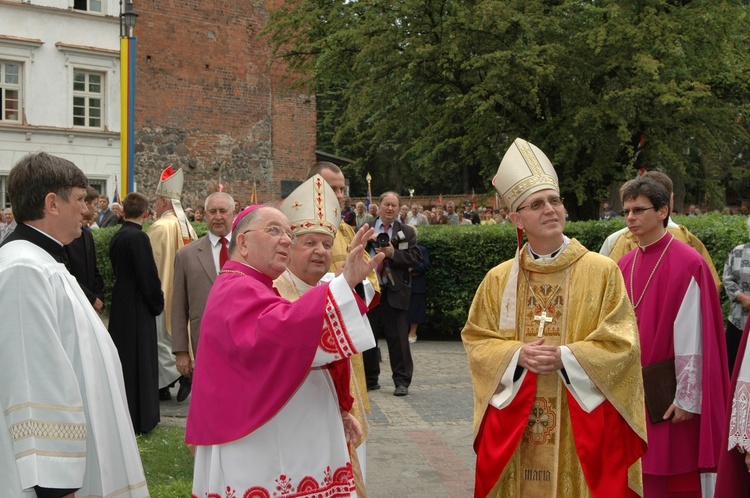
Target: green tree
[[429, 93]]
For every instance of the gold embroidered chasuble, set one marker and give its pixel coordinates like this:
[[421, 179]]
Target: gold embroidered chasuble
[[591, 315], [166, 238], [627, 242]]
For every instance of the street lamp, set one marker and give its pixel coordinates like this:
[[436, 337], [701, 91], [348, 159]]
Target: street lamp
[[369, 192], [127, 19], [411, 196], [127, 96]]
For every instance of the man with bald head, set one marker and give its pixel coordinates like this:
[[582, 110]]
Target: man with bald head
[[258, 347], [195, 268]]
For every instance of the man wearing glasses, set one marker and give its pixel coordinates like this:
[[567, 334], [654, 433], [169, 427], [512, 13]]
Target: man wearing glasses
[[554, 355], [257, 349], [623, 241], [681, 329]]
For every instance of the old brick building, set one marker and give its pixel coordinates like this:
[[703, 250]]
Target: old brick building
[[210, 101]]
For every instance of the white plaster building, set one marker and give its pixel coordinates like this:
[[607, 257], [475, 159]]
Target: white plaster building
[[60, 85]]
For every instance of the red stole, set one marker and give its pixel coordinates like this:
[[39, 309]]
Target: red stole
[[606, 445]]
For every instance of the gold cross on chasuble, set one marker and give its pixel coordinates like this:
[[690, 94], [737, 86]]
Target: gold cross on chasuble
[[543, 320]]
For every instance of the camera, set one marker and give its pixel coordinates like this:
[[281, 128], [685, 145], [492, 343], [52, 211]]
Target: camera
[[382, 240]]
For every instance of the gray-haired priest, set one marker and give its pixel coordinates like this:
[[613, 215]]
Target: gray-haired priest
[[286, 360]]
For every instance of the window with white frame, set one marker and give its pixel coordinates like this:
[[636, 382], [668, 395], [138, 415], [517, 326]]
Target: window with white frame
[[99, 185], [10, 92], [88, 99], [88, 5]]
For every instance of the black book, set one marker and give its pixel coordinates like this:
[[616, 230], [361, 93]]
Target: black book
[[659, 386]]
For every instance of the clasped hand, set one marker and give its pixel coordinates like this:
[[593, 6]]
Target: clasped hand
[[540, 359]]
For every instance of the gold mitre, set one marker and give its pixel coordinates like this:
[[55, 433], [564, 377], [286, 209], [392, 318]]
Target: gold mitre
[[524, 170], [170, 183], [312, 208]]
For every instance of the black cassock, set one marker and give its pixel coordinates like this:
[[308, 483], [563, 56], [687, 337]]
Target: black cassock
[[136, 300]]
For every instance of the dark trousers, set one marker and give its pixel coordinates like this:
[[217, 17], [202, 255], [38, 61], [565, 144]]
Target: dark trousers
[[392, 324]]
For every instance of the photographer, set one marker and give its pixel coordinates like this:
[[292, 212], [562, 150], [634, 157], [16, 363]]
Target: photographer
[[398, 242]]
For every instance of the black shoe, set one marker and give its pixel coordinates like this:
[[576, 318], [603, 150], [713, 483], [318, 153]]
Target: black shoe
[[185, 385], [373, 387], [401, 391], [164, 394]]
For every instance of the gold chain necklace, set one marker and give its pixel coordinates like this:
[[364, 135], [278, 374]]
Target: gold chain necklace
[[632, 273], [542, 318], [233, 271]]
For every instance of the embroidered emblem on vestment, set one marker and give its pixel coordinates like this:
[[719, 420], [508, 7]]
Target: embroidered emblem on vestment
[[542, 422]]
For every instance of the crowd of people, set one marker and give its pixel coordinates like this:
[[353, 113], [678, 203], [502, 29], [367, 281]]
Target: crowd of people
[[594, 373]]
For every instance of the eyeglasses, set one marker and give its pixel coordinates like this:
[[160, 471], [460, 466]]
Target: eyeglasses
[[636, 211], [275, 231], [539, 204]]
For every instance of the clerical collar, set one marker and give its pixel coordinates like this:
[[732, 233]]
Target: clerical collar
[[652, 244], [548, 258], [39, 238]]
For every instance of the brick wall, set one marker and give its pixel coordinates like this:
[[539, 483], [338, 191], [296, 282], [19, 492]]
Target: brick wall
[[209, 101]]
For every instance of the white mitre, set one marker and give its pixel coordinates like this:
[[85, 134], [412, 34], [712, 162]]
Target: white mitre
[[524, 170], [312, 208]]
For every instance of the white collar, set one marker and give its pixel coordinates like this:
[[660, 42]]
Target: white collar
[[214, 239]]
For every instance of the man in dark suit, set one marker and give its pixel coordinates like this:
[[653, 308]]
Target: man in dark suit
[[390, 316], [195, 268], [106, 217], [82, 257]]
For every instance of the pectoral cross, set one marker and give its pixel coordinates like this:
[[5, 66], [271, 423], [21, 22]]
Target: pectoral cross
[[543, 320]]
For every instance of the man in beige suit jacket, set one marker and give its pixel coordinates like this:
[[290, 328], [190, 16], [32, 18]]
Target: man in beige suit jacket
[[195, 268]]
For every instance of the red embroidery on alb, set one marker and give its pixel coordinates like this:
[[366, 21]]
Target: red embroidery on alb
[[335, 338], [338, 486]]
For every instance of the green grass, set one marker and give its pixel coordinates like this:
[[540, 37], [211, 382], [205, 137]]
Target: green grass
[[167, 462]]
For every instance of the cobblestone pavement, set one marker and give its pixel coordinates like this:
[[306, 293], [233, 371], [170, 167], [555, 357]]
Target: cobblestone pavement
[[420, 444]]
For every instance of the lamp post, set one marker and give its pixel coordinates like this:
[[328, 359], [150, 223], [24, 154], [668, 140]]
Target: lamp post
[[369, 192], [127, 96], [411, 197]]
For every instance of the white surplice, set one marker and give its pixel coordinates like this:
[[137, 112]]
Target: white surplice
[[65, 417]]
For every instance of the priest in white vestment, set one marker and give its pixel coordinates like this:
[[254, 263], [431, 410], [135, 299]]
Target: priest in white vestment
[[271, 384], [65, 427]]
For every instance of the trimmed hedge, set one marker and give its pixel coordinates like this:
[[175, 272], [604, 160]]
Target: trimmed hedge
[[462, 255]]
